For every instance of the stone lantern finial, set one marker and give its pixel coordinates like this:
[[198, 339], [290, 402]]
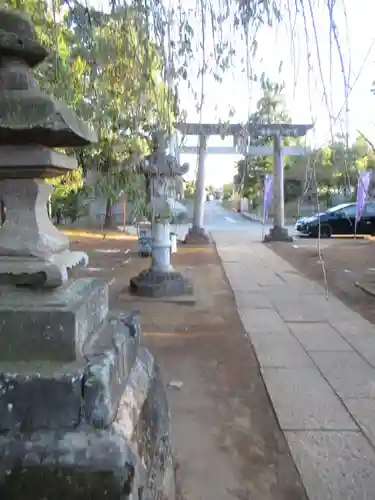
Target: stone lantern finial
[[32, 250]]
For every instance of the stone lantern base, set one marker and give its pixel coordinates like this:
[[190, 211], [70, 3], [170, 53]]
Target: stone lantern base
[[83, 410], [155, 283], [160, 280]]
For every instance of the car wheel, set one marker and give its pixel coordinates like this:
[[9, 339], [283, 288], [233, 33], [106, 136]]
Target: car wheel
[[325, 231]]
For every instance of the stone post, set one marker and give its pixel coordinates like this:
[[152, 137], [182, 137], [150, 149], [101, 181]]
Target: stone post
[[197, 234], [161, 279], [83, 412], [278, 232]]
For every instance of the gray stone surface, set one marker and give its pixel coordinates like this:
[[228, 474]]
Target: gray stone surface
[[347, 372], [152, 283], [318, 337], [334, 465], [33, 161], [67, 464], [363, 412], [112, 356], [131, 451], [32, 250], [50, 325], [262, 321], [47, 395], [353, 327], [359, 333], [303, 400], [365, 346], [326, 411], [315, 308], [279, 350], [27, 115], [39, 396], [256, 300], [28, 231]]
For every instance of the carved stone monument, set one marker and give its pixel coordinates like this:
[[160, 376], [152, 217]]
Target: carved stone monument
[[161, 279], [83, 411]]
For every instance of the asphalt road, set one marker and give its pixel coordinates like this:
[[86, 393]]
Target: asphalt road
[[216, 218]]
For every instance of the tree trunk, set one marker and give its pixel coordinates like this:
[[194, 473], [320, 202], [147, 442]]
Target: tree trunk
[[108, 220], [3, 213], [58, 217]]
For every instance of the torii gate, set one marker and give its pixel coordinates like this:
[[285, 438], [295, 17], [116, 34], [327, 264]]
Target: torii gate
[[241, 135]]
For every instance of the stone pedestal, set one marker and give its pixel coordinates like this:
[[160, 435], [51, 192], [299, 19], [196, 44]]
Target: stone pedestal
[[197, 236], [83, 412], [161, 280], [154, 283], [278, 234]]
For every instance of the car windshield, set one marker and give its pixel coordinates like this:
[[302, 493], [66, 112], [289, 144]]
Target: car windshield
[[338, 207]]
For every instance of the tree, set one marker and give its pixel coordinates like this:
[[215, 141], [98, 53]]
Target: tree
[[227, 191], [124, 99], [189, 189], [68, 198], [106, 66], [269, 109]]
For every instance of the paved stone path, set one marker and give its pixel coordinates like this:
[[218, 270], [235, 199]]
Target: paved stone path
[[317, 358]]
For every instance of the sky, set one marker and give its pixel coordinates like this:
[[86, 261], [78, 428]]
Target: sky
[[314, 73], [307, 79]]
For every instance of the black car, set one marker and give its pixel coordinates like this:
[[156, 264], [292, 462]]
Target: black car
[[338, 220]]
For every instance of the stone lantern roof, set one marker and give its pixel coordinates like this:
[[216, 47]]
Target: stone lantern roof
[[27, 114]]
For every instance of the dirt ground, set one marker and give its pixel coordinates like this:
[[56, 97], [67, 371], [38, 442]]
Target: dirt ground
[[228, 445], [346, 261]]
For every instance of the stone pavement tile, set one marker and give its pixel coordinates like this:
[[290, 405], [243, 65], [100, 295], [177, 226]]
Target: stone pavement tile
[[363, 411], [252, 300], [233, 254], [262, 321], [365, 345], [236, 268], [319, 337], [334, 465], [279, 350], [358, 332], [307, 308], [347, 372], [241, 284], [270, 280], [354, 327], [292, 278], [293, 291], [303, 400]]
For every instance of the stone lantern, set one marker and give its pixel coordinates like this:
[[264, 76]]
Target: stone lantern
[[161, 279], [83, 411]]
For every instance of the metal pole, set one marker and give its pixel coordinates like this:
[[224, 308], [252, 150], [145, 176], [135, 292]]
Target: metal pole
[[199, 186], [279, 177]]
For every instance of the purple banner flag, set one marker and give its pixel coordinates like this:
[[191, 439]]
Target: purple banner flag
[[362, 188], [268, 192]]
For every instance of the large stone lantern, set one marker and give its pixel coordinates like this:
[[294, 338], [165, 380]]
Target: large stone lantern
[[161, 279], [83, 412]]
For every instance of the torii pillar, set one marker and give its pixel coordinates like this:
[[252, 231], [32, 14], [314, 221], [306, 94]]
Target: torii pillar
[[279, 232], [197, 234]]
